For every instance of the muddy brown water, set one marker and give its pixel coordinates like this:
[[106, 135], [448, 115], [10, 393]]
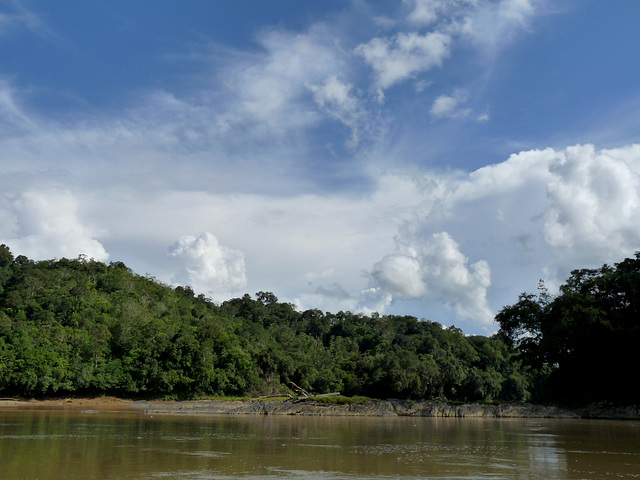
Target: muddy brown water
[[61, 444]]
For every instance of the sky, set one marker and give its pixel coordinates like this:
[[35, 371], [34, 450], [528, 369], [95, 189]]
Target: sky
[[433, 158]]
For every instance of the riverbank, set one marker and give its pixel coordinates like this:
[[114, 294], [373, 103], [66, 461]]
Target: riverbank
[[373, 408]]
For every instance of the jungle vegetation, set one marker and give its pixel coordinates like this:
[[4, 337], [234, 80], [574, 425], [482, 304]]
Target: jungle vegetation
[[83, 327]]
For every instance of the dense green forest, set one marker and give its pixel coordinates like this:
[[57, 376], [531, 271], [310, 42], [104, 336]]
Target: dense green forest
[[586, 336], [84, 327]]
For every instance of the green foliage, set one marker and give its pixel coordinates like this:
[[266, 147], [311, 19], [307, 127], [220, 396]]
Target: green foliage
[[580, 344], [338, 400], [85, 327]]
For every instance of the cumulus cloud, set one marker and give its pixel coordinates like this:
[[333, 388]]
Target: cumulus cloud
[[594, 203], [374, 299], [239, 157], [468, 241], [47, 224], [400, 275], [516, 174], [403, 55], [455, 282], [434, 267], [580, 205], [538, 214], [209, 266]]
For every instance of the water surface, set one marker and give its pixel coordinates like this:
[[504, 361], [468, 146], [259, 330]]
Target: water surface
[[52, 445]]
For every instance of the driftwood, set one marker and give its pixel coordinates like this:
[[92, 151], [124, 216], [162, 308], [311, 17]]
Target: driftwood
[[313, 395], [300, 389]]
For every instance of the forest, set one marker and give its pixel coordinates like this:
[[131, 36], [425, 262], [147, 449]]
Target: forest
[[83, 327]]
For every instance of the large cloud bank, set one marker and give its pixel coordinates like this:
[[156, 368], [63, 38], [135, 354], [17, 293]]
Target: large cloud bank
[[309, 162], [459, 243]]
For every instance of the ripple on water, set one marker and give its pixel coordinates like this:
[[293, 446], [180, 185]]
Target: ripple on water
[[305, 475]]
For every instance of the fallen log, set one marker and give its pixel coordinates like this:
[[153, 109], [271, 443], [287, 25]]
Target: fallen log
[[300, 389]]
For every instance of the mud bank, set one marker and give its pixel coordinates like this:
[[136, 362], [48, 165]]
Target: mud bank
[[385, 408], [374, 408]]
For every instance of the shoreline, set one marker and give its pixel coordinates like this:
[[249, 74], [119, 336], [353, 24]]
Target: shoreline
[[373, 408]]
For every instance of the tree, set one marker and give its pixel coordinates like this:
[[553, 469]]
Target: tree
[[587, 334], [6, 257]]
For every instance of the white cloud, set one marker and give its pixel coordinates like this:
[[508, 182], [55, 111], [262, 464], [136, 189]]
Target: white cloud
[[47, 225], [421, 85], [448, 106], [515, 174], [374, 299], [270, 88], [516, 10], [594, 204], [464, 287], [18, 16], [238, 157], [425, 12], [553, 209], [539, 214], [12, 115], [210, 267], [400, 276], [336, 98], [434, 267], [492, 24], [580, 205], [405, 54]]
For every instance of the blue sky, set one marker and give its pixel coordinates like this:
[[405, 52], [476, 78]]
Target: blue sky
[[425, 157]]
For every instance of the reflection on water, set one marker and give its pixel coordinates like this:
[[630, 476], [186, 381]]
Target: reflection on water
[[73, 445]]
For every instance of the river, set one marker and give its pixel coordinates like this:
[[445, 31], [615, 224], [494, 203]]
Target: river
[[51, 445]]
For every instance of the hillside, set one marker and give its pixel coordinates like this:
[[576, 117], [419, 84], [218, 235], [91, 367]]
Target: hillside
[[84, 327]]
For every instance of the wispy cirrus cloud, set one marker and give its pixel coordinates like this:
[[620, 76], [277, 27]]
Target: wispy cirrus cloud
[[15, 15], [337, 98], [270, 88]]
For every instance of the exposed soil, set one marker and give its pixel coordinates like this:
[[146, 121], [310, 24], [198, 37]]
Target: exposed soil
[[376, 408], [72, 403]]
